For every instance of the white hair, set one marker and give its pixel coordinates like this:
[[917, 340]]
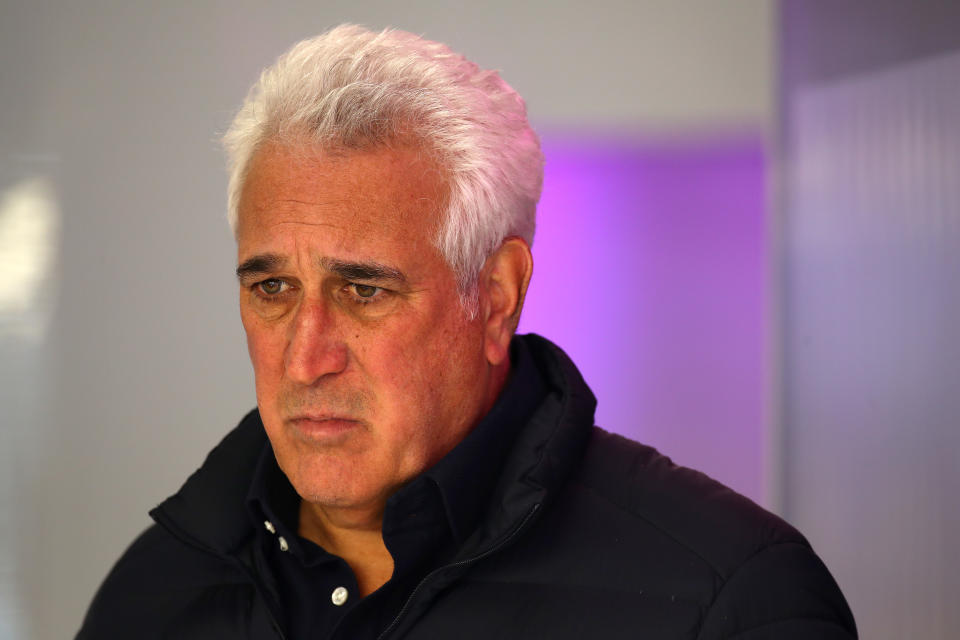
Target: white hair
[[351, 88]]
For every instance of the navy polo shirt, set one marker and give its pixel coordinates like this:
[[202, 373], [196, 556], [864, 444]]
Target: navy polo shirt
[[424, 523]]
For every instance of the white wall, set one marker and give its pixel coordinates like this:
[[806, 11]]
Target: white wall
[[129, 362]]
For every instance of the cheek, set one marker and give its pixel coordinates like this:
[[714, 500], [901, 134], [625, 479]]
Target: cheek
[[441, 373], [266, 351], [398, 366]]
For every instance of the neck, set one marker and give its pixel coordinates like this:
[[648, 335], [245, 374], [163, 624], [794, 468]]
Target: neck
[[498, 380], [354, 535]]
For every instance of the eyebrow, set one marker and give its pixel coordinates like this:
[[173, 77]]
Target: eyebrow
[[269, 262], [363, 270], [259, 264]]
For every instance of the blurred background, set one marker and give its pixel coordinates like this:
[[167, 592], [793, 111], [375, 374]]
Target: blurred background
[[749, 241]]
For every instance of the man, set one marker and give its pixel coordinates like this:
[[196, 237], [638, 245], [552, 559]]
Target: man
[[413, 469]]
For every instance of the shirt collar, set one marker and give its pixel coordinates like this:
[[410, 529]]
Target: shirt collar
[[271, 498]]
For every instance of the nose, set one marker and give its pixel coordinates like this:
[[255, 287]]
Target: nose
[[314, 348]]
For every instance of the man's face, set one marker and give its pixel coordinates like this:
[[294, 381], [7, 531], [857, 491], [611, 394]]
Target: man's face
[[367, 369]]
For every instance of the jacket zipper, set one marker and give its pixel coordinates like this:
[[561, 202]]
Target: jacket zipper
[[461, 563]]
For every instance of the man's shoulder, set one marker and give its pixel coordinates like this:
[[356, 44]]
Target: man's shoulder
[[710, 520], [155, 583], [185, 571], [671, 534]]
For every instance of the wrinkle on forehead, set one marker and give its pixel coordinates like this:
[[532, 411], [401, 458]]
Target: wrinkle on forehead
[[364, 200], [402, 155], [305, 223]]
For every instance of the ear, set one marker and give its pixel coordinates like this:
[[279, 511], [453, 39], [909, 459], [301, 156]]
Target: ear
[[503, 287]]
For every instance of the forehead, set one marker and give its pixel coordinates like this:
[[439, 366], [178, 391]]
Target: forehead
[[366, 196]]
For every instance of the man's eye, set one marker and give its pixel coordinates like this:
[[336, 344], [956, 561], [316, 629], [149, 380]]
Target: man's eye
[[272, 286], [366, 291]]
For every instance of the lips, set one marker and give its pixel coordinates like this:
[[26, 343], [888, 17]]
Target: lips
[[323, 430]]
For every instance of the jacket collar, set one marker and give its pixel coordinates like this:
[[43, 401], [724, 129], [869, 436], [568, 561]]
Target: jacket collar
[[467, 475], [547, 449], [209, 511]]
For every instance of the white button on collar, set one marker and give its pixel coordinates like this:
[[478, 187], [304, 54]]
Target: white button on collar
[[283, 543], [269, 526], [339, 596]]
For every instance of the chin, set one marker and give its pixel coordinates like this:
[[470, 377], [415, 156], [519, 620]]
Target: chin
[[327, 493], [328, 482]]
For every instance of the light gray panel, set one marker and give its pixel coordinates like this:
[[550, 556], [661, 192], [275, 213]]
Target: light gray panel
[[872, 340]]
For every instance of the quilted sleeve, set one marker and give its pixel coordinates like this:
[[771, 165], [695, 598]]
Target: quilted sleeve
[[783, 592]]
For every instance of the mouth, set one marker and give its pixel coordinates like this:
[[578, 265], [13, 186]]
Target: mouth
[[323, 429]]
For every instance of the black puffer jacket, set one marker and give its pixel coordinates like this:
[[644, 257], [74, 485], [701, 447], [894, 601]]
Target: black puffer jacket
[[587, 535]]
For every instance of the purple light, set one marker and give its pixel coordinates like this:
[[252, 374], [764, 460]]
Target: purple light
[[650, 272]]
